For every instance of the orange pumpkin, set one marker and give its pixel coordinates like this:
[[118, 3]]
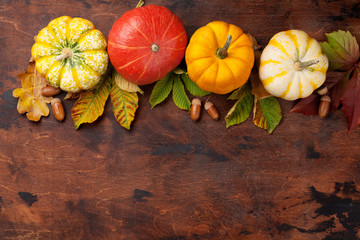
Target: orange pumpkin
[[219, 57]]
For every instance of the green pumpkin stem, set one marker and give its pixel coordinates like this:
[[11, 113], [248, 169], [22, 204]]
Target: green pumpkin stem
[[299, 66], [222, 52], [140, 3]]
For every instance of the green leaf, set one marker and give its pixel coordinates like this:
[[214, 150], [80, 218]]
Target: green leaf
[[124, 105], [90, 104], [161, 90], [125, 84], [192, 87], [179, 95], [240, 92], [342, 50], [267, 113], [241, 110]]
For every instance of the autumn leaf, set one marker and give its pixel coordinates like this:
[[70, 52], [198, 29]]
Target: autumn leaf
[[192, 87], [124, 105], [267, 113], [308, 105], [257, 87], [351, 100], [240, 92], [335, 82], [91, 103], [241, 110], [161, 90], [31, 100], [125, 84], [72, 96], [342, 50], [179, 95]]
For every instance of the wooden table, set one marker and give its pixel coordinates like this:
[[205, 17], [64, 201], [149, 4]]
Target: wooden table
[[170, 178]]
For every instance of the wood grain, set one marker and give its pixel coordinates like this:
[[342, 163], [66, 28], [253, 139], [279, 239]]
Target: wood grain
[[170, 178]]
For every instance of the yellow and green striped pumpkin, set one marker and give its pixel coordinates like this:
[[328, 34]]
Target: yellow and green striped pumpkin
[[292, 65], [71, 54]]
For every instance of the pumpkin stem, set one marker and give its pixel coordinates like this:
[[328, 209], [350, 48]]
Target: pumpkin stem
[[222, 52], [140, 3], [299, 66], [154, 47], [65, 53]]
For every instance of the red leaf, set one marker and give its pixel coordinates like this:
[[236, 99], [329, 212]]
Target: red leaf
[[351, 100], [307, 106], [336, 83]]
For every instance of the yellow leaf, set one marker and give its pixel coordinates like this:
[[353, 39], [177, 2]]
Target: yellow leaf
[[30, 97], [125, 84], [124, 105], [91, 103]]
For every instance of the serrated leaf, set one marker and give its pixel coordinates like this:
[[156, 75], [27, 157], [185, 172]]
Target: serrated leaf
[[351, 100], [192, 87], [267, 113], [91, 103], [179, 95], [30, 97], [125, 84], [161, 90], [124, 105], [240, 92], [342, 50], [241, 110]]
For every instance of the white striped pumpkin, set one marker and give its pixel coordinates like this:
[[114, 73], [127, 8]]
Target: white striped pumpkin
[[292, 65]]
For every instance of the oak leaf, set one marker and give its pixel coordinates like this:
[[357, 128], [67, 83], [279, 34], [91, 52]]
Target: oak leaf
[[30, 97]]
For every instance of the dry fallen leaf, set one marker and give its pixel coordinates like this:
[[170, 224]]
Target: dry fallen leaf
[[30, 97]]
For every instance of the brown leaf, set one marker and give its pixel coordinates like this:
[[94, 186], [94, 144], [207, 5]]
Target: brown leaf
[[307, 106], [351, 100], [30, 97], [336, 83], [257, 87], [71, 96]]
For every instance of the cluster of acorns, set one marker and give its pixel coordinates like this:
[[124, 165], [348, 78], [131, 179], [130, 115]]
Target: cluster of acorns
[[195, 110]]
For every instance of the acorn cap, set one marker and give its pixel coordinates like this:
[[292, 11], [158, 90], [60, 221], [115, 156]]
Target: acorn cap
[[196, 101], [208, 105], [325, 98], [55, 100]]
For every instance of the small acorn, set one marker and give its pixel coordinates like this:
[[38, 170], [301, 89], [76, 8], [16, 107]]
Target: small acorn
[[213, 112], [195, 109]]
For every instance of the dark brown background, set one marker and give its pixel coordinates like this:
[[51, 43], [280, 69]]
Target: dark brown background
[[170, 178]]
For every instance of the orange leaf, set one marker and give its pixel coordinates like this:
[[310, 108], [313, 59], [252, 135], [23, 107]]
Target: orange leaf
[[30, 97]]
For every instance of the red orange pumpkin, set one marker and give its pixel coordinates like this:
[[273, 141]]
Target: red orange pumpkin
[[146, 43]]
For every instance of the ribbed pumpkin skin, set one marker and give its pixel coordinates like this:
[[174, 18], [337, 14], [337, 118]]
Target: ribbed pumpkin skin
[[131, 38], [89, 58], [210, 72], [277, 71]]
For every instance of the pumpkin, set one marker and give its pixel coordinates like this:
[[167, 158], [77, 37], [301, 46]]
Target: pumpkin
[[70, 53], [146, 43], [292, 65], [219, 57]]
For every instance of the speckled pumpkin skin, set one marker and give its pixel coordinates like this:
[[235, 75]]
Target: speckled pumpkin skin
[[89, 60]]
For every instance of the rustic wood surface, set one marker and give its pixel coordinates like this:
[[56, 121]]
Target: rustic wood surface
[[170, 178]]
